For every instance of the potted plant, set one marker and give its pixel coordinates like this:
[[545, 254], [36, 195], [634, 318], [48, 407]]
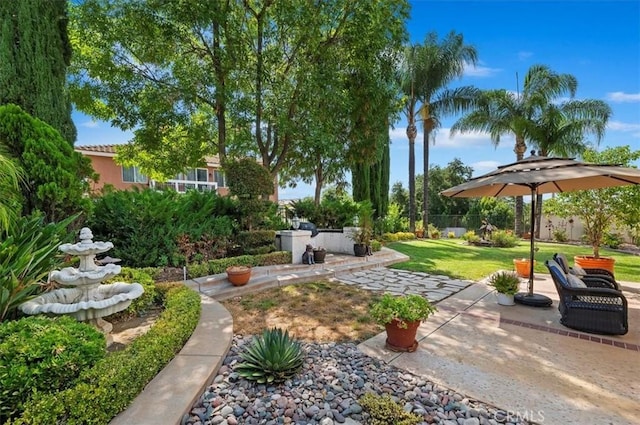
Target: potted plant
[[419, 230], [363, 232], [401, 316], [507, 284], [238, 275]]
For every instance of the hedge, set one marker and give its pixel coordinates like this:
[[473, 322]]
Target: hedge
[[111, 385], [220, 265]]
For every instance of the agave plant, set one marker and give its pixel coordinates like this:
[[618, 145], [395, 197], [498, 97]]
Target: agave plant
[[272, 357]]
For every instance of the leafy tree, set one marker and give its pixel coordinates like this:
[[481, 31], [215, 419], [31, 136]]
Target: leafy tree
[[56, 177], [560, 130], [250, 182], [439, 63], [497, 211], [400, 196], [500, 111], [453, 174], [238, 78], [34, 55], [599, 209]]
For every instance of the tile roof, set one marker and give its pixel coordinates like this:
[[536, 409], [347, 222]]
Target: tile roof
[[97, 148]]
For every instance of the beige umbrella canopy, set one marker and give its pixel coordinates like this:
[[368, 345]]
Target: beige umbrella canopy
[[538, 174]]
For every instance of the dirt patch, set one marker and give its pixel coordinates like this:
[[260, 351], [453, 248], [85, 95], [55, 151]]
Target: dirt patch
[[315, 312], [125, 331]]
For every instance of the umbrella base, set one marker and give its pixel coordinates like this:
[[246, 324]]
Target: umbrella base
[[533, 300]]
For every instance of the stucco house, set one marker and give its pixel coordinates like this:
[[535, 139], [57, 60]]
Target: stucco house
[[102, 158]]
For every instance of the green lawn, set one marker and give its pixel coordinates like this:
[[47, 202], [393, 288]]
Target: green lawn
[[453, 257]]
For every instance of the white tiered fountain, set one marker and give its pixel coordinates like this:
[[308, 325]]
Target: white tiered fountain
[[85, 298]]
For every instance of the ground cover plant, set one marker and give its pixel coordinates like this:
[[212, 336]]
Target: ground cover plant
[[313, 312], [457, 259]]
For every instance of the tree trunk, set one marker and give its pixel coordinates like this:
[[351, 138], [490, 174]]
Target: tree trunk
[[412, 132], [425, 181], [519, 149]]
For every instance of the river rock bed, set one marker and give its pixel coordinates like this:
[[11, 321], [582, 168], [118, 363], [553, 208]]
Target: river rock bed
[[327, 390]]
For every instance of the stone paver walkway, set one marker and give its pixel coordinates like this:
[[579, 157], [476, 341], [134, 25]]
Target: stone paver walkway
[[401, 282]]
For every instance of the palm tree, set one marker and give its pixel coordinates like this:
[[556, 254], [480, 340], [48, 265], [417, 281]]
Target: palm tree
[[439, 63], [499, 112], [407, 79], [560, 130]]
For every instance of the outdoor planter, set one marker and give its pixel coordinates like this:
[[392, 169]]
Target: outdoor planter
[[360, 249], [319, 254], [522, 266], [591, 262], [401, 317], [505, 299], [238, 275], [402, 339], [507, 284]]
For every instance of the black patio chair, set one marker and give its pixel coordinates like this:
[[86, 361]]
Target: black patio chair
[[596, 310], [597, 276]]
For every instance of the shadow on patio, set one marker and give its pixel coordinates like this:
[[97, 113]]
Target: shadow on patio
[[523, 360]]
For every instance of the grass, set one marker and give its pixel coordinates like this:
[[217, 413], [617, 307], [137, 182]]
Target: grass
[[315, 312], [454, 258]]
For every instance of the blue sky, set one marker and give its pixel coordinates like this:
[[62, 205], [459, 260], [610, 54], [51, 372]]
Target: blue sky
[[596, 41]]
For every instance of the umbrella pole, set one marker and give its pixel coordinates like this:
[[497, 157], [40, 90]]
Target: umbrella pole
[[529, 298], [532, 239]]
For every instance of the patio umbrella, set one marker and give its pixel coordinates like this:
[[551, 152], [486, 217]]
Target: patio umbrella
[[538, 174]]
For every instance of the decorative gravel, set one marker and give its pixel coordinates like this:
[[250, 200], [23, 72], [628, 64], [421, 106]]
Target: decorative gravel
[[326, 392]]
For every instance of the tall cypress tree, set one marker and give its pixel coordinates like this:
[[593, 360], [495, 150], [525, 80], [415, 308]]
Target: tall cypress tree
[[34, 55]]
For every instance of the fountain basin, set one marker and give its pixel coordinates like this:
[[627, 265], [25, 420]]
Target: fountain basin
[[84, 248], [102, 301], [70, 276]]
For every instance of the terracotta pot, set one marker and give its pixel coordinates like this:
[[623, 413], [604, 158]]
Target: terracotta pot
[[400, 339], [239, 275], [522, 266], [526, 235], [419, 234], [590, 262]]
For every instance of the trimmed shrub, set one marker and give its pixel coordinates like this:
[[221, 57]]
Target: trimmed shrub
[[146, 300], [504, 239], [111, 385], [45, 354], [219, 266], [471, 237], [257, 241], [376, 245]]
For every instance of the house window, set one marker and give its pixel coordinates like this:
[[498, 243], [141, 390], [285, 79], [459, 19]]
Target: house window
[[193, 175], [218, 177], [133, 175]]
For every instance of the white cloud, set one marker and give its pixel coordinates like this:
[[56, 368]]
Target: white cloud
[[522, 55], [482, 167], [90, 124], [632, 128], [480, 71], [619, 96]]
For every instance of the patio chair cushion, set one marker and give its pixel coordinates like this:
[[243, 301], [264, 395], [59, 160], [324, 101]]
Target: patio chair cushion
[[575, 281], [577, 270]]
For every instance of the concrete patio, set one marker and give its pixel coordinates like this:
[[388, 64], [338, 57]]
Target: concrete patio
[[523, 360]]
